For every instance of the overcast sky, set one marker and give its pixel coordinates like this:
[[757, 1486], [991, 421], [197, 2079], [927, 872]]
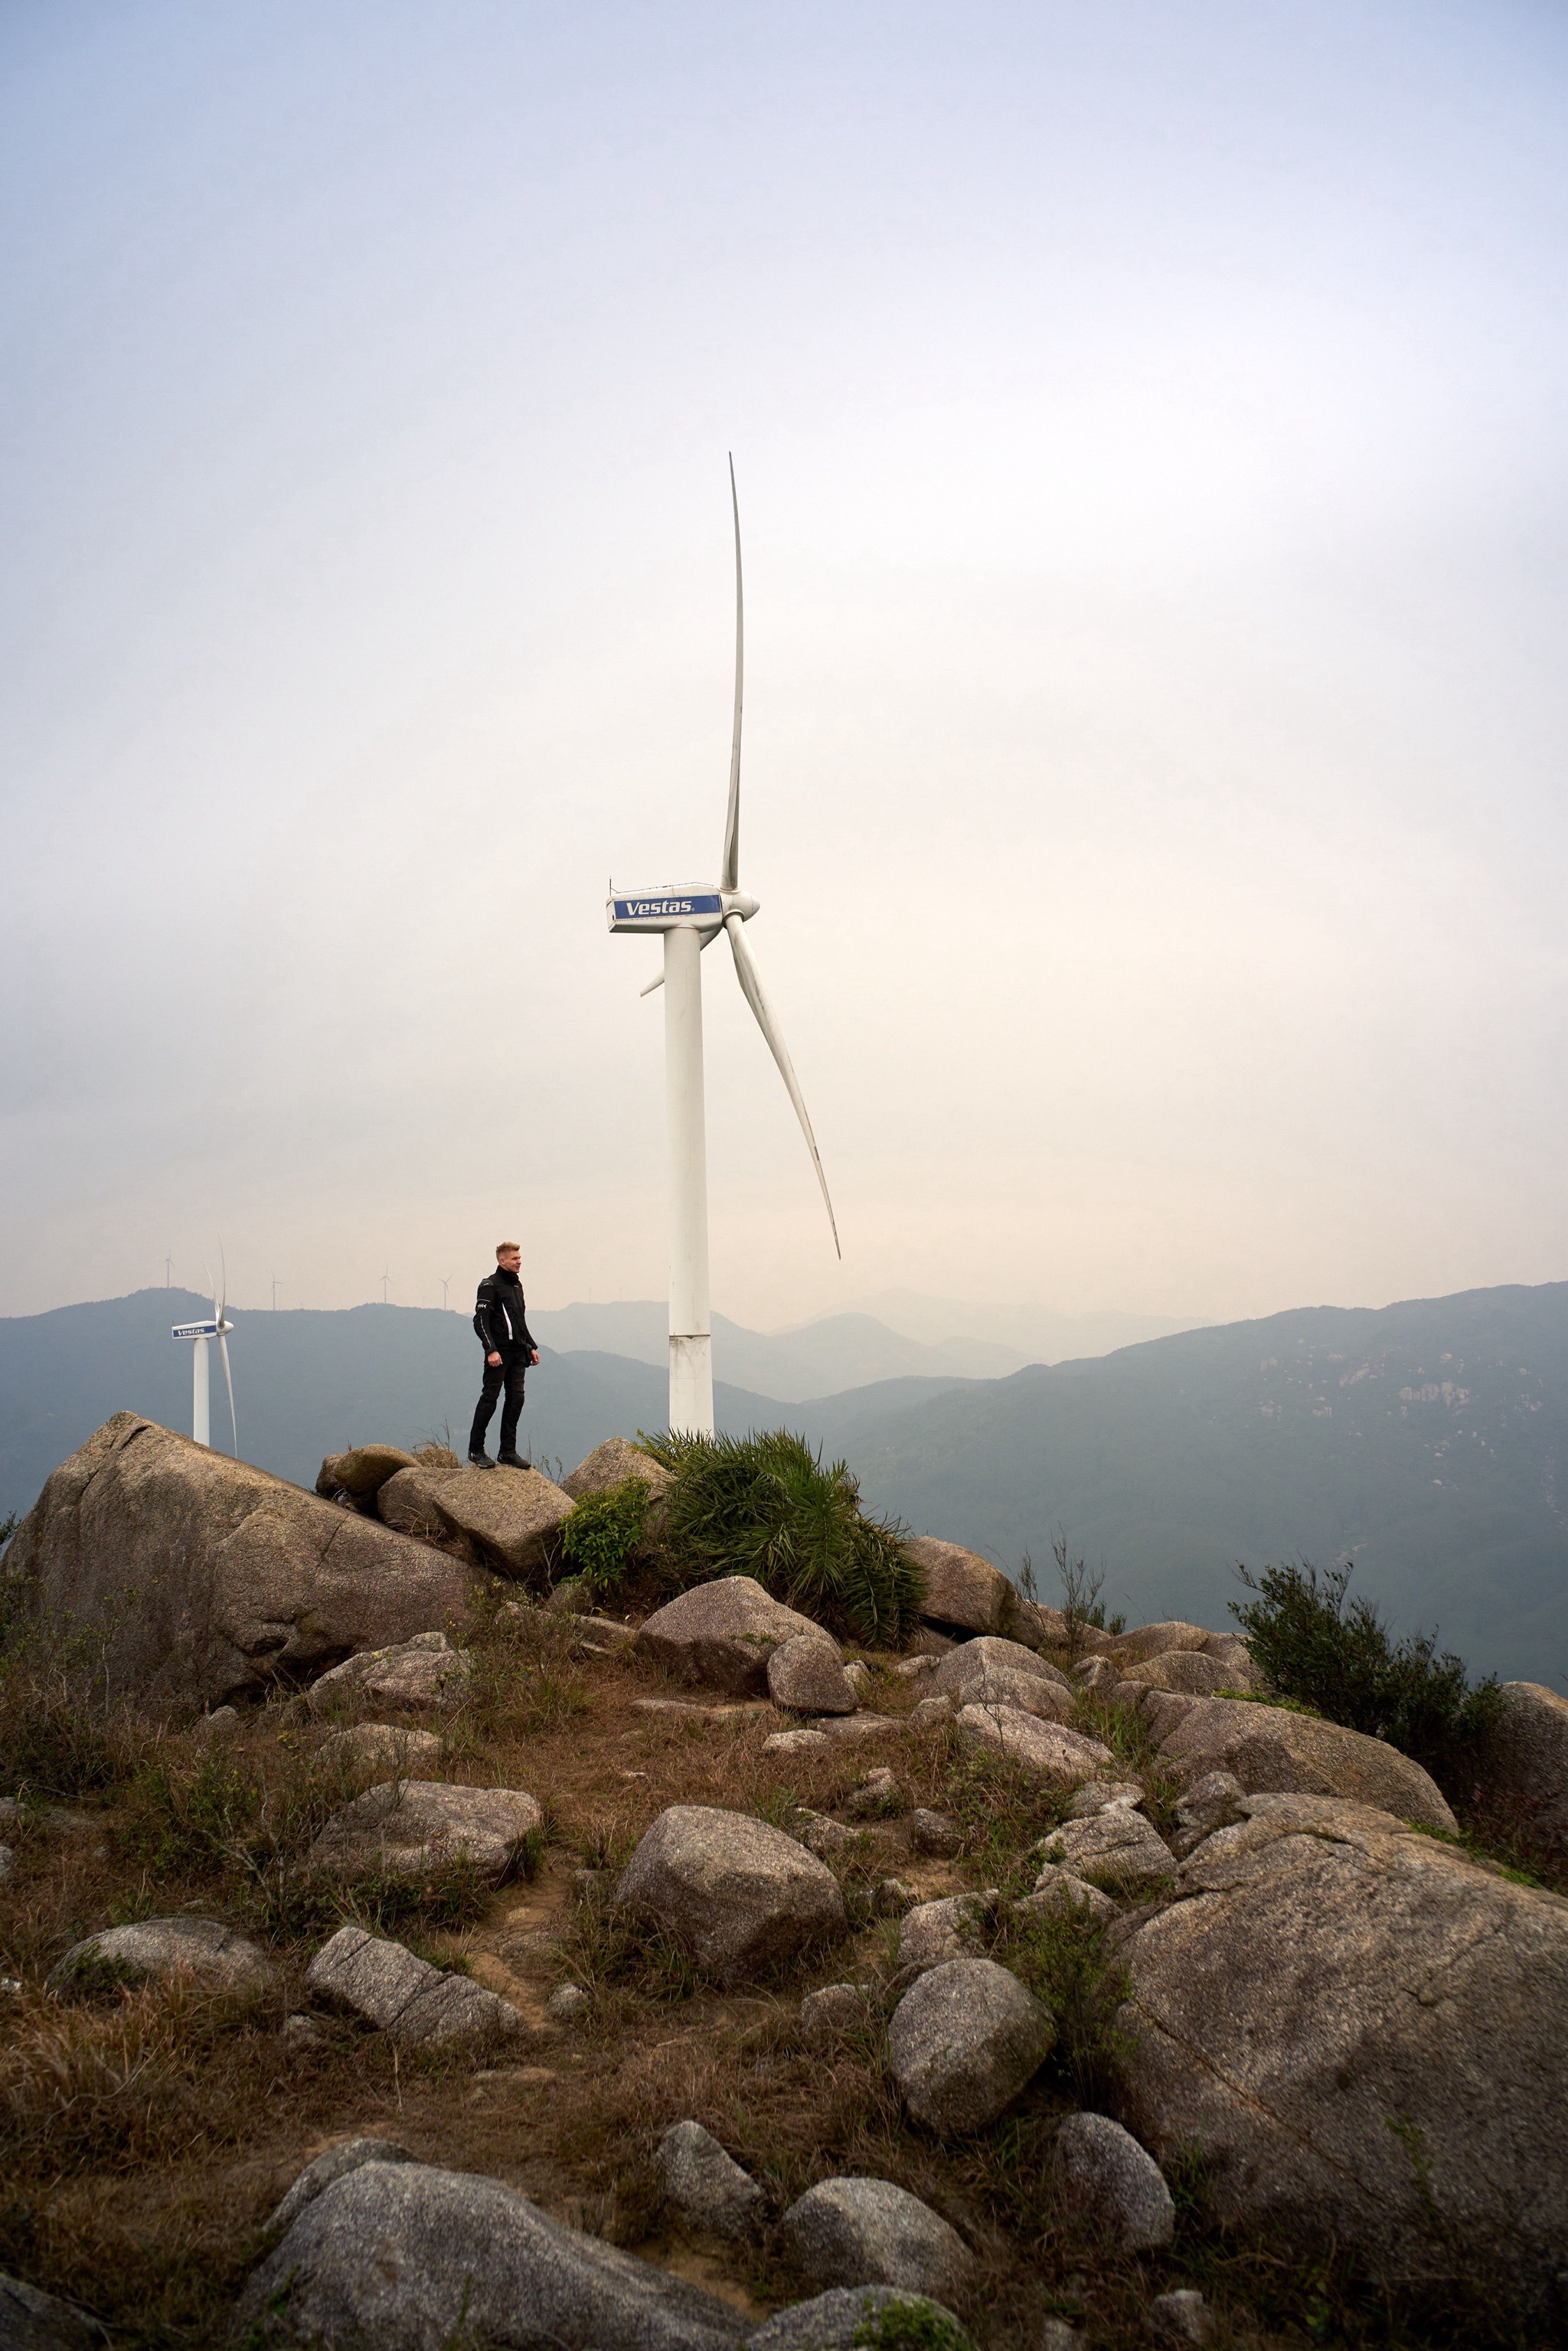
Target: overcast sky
[[1149, 423]]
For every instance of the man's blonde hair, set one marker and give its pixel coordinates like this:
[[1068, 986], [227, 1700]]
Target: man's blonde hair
[[502, 1247]]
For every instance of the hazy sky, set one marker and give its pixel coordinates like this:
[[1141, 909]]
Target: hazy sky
[[1149, 420]]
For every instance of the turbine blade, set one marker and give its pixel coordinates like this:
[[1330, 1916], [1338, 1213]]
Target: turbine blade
[[731, 880], [228, 1379], [751, 988]]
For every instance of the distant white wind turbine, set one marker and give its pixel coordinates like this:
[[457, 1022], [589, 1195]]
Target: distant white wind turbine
[[201, 1332], [691, 920]]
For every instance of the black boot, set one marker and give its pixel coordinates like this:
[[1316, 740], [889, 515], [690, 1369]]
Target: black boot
[[481, 1460], [510, 1459]]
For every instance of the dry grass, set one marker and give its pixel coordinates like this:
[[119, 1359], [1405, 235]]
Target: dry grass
[[144, 2136]]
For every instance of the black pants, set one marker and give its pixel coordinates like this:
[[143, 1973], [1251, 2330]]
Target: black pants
[[507, 1373]]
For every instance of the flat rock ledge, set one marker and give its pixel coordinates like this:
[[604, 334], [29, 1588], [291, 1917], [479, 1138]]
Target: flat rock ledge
[[418, 2006]]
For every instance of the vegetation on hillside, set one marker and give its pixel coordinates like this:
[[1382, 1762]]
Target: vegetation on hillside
[[764, 1506], [1314, 1642]]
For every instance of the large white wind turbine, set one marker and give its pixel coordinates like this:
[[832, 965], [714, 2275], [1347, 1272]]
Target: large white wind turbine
[[201, 1332], [690, 920]]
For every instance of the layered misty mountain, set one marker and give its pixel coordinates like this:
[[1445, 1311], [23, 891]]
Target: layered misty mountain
[[1428, 1441]]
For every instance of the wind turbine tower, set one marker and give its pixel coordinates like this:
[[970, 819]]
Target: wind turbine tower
[[200, 1333], [690, 920]]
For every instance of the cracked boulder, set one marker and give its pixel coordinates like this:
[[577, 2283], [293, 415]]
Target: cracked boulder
[[1048, 1752], [416, 2005], [200, 1579], [1363, 2030], [412, 1825]]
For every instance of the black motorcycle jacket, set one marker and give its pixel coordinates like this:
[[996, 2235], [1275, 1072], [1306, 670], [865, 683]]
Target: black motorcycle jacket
[[499, 1314]]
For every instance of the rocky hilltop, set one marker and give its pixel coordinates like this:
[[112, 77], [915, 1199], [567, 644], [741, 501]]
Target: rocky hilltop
[[401, 1950]]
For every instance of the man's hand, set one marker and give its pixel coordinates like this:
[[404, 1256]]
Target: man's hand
[[494, 1360], [534, 1357]]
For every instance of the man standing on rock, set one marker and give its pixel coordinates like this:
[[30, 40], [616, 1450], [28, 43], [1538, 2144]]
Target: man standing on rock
[[499, 1319]]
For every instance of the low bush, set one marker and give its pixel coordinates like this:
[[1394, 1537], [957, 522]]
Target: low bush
[[1062, 1959], [1313, 1642], [764, 1506], [603, 1535]]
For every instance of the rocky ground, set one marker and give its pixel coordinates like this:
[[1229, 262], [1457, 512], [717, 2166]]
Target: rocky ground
[[1045, 1974]]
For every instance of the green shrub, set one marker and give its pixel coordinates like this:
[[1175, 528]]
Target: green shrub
[[1061, 1954], [604, 1533], [900, 2326], [764, 1506], [1315, 1644]]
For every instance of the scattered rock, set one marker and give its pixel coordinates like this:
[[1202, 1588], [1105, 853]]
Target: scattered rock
[[818, 1832], [850, 2233], [1097, 1795], [1095, 1674], [31, 2320], [1057, 1890], [241, 1581], [162, 1950], [419, 2006], [1059, 1757], [1180, 2317], [512, 1517], [922, 1665], [963, 1589], [410, 1826], [1449, 1988], [848, 1729], [991, 1671], [797, 1742], [610, 1465], [738, 1893], [302, 2032], [932, 1713], [384, 1746], [1146, 1640], [1114, 2185], [1193, 1672], [1055, 2334], [806, 1674], [8, 1864], [1526, 1763], [1116, 1847], [335, 2164], [600, 1636], [688, 1710], [891, 1898], [408, 1502], [425, 1671], [723, 1634], [568, 2002], [860, 1677], [831, 2321], [362, 1471], [219, 1723], [962, 2042], [837, 2008], [934, 1833], [1270, 1749], [708, 2187], [877, 1792], [951, 1929], [1210, 1803], [406, 2256], [570, 1597]]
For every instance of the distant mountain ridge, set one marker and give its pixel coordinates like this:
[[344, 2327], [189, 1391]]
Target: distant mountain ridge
[[838, 1351], [1428, 1440]]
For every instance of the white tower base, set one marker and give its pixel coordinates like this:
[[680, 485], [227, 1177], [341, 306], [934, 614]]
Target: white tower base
[[691, 1341], [201, 1426]]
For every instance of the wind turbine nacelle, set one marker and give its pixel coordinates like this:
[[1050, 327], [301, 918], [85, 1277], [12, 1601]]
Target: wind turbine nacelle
[[676, 910], [208, 1330]]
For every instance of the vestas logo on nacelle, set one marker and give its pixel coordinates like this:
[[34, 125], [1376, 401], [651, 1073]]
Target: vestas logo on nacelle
[[642, 910]]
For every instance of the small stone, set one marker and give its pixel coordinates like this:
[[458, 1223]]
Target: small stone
[[415, 1824], [837, 2008], [933, 1713], [845, 1729], [891, 1898], [818, 1833], [599, 1637], [934, 1833], [915, 1670], [335, 2164], [708, 2187], [858, 1673], [806, 1675], [1055, 2334], [1117, 1847], [394, 1747], [853, 2233], [1099, 1795], [1180, 2317], [797, 1742], [570, 1597], [1057, 1891], [1095, 1674], [8, 1864], [222, 1720], [833, 2321], [1212, 1803], [964, 2041], [568, 2002], [877, 1792], [1114, 2186], [302, 2032], [950, 1929]]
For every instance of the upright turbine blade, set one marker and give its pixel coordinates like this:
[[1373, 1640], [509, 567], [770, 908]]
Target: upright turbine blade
[[751, 988], [731, 821], [228, 1378]]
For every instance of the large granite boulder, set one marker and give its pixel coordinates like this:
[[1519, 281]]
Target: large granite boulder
[[848, 2232], [992, 1672], [806, 1675], [409, 2258], [1527, 1768], [963, 2041], [961, 1588], [1364, 2032], [1046, 1750], [1272, 1749], [362, 1471], [407, 1500], [411, 1825], [740, 1895], [610, 1465], [201, 1952], [513, 1518], [200, 1581], [1193, 1672], [722, 1634]]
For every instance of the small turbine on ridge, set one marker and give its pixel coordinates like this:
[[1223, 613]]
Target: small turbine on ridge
[[201, 1332], [691, 920]]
